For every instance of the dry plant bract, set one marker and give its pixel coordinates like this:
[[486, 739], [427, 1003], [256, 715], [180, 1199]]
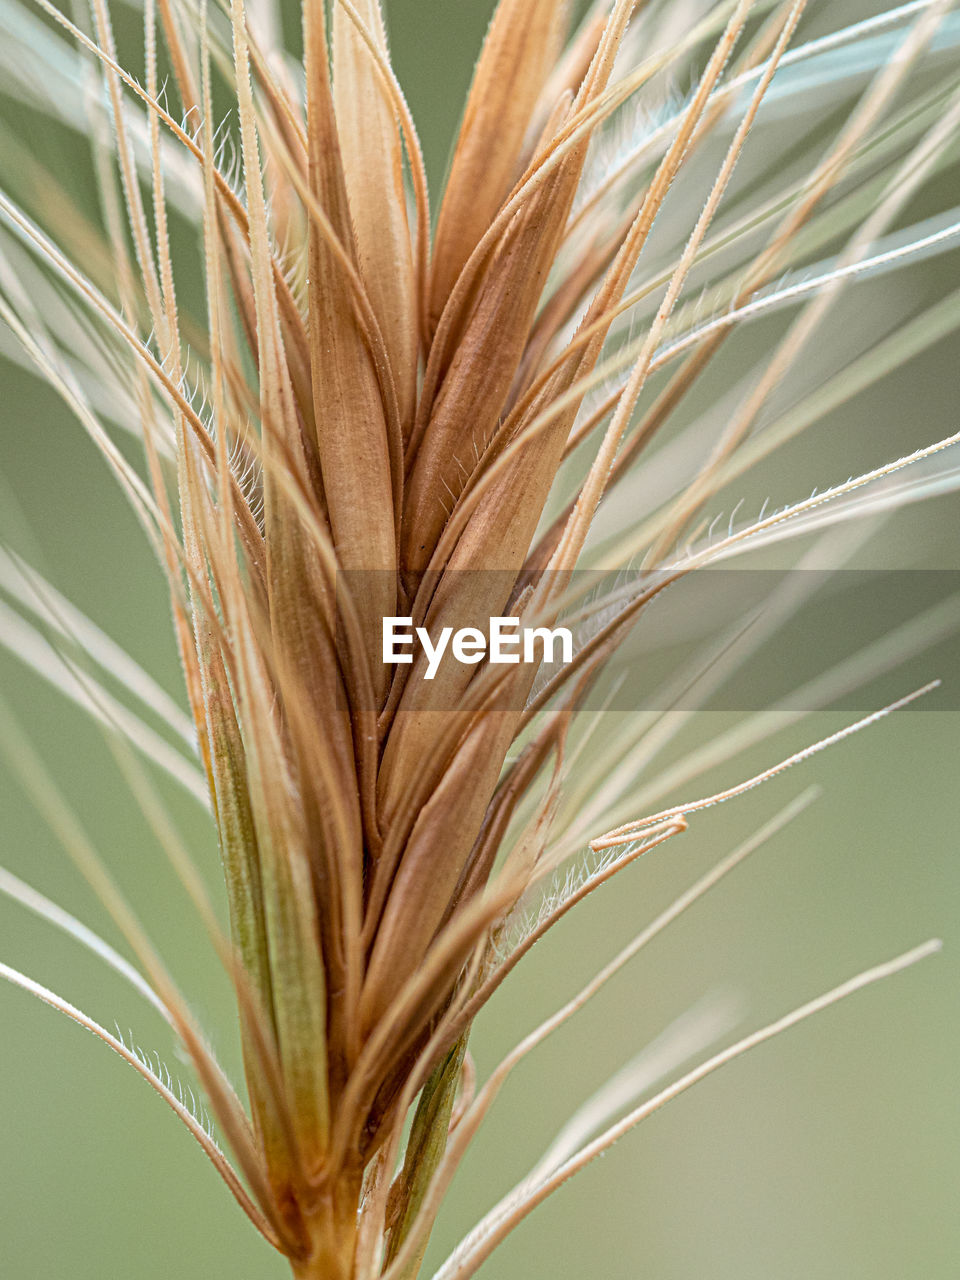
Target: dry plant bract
[[371, 416]]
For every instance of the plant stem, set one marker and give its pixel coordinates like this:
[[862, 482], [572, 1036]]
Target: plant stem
[[333, 1234]]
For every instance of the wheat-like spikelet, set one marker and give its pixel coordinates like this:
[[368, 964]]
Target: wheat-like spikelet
[[372, 421]]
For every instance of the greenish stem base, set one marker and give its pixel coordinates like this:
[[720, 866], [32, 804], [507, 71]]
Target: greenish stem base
[[333, 1233]]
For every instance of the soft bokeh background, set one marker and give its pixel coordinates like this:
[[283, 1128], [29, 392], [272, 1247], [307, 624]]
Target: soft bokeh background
[[833, 1153]]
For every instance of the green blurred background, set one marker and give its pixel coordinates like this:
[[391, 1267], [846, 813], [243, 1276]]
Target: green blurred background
[[832, 1154]]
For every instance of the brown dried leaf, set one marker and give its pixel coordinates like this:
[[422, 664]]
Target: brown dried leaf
[[471, 398], [522, 45], [358, 458], [372, 154]]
